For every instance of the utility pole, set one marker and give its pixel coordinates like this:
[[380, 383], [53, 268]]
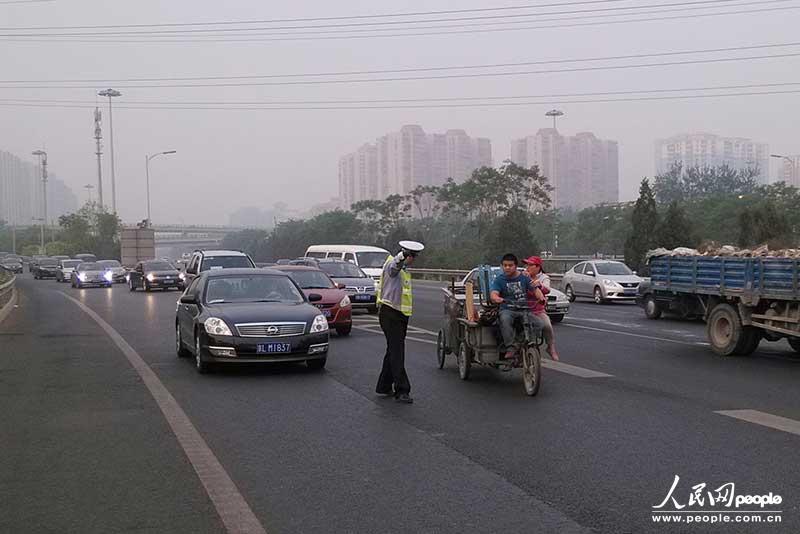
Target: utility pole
[[89, 188], [555, 114], [98, 135], [43, 161], [111, 93]]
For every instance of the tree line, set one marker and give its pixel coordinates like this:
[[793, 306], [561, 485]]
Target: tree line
[[91, 230], [504, 209]]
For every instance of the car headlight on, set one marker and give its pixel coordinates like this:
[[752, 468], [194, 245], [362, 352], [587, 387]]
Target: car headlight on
[[82, 277], [151, 277], [108, 275], [182, 276], [320, 324], [344, 302], [217, 327]]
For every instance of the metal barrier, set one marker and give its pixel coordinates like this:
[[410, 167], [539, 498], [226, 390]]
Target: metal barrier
[[447, 274], [6, 296]]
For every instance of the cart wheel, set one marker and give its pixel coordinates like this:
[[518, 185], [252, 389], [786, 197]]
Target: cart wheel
[[440, 349], [464, 361], [532, 370]]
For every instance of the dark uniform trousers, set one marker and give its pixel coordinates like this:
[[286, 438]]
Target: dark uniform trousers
[[394, 325]]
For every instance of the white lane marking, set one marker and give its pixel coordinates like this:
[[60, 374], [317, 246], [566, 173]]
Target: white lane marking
[[236, 514], [654, 338], [573, 370], [604, 321], [5, 311], [777, 422]]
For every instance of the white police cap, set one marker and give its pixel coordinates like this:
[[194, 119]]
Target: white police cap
[[412, 246]]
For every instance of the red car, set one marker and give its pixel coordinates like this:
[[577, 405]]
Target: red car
[[335, 303]]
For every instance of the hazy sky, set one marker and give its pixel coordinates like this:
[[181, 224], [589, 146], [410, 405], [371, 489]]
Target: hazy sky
[[229, 159]]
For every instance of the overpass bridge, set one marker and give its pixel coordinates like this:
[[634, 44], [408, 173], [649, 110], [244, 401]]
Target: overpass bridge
[[172, 240]]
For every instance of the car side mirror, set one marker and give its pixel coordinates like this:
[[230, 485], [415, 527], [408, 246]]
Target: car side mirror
[[314, 297], [189, 299], [191, 270], [341, 286], [589, 273]]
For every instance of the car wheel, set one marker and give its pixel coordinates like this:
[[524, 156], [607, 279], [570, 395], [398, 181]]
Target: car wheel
[[344, 331], [440, 349], [570, 294], [652, 309], [557, 318], [181, 351], [598, 296], [317, 364], [202, 366]]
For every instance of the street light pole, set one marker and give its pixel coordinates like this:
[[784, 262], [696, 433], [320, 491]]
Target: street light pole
[[42, 155], [791, 162], [554, 113], [111, 93], [147, 176]]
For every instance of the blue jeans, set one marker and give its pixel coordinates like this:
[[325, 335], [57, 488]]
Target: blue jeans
[[507, 320]]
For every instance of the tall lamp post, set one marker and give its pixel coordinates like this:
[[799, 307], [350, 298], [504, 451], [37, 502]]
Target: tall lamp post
[[555, 114], [790, 160], [42, 155], [111, 93], [147, 174]]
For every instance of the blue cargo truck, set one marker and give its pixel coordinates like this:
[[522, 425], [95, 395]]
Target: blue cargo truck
[[742, 300]]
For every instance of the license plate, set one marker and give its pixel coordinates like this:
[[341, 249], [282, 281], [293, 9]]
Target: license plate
[[630, 291], [273, 348], [362, 298]]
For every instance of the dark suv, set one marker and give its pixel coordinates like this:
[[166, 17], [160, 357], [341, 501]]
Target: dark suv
[[46, 268], [207, 260]]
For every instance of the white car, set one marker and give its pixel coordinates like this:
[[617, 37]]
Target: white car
[[557, 302], [601, 280], [65, 268]]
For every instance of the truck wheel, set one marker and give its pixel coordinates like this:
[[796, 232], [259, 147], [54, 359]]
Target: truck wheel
[[750, 341], [725, 331], [794, 342], [652, 309]]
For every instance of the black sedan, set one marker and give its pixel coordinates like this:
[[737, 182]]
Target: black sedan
[[249, 316], [155, 274], [46, 268]]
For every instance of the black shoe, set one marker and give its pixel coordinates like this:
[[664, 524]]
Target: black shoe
[[404, 398], [385, 393]]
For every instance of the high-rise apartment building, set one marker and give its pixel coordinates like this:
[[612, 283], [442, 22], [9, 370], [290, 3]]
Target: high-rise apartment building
[[790, 171], [583, 169], [703, 149], [400, 161], [21, 193]]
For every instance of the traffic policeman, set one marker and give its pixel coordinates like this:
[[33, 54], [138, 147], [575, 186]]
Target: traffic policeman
[[395, 301]]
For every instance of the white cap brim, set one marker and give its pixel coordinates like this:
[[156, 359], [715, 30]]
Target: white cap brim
[[413, 246]]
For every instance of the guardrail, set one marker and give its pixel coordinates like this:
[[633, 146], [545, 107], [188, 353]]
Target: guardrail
[[6, 296], [448, 274]]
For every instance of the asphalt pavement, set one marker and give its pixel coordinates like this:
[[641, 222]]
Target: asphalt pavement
[[635, 403]]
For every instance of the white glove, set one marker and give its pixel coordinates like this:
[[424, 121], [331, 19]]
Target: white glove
[[400, 258]]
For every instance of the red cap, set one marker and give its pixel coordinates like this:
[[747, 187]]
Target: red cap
[[533, 260]]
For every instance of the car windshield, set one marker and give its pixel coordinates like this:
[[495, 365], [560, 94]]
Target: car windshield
[[89, 266], [48, 262], [225, 262], [109, 263], [312, 280], [611, 269], [371, 260], [70, 263], [253, 288], [158, 266], [342, 270]]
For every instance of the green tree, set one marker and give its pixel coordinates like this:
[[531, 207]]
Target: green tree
[[761, 223], [252, 241], [692, 183], [510, 233], [644, 221], [674, 229]]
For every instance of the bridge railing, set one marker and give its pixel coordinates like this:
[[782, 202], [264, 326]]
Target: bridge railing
[[458, 274], [7, 281]]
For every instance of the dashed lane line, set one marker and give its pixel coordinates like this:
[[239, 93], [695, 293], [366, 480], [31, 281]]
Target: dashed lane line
[[765, 419], [643, 336], [236, 514], [566, 368]]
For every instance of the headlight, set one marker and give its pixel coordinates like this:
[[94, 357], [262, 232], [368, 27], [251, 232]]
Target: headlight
[[82, 277], [320, 324], [182, 276], [610, 283], [216, 326], [108, 275], [150, 277], [344, 302]]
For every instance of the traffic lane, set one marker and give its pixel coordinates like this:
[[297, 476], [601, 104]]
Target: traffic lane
[[603, 451], [85, 448], [309, 453]]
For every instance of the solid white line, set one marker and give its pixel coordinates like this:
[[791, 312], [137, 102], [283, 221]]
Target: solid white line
[[236, 514], [765, 419], [678, 341], [5, 311], [573, 370]]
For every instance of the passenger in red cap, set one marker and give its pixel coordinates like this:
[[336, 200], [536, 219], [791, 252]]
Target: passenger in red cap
[[537, 300]]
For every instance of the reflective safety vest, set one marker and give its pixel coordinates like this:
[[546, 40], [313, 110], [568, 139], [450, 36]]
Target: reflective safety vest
[[406, 300]]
